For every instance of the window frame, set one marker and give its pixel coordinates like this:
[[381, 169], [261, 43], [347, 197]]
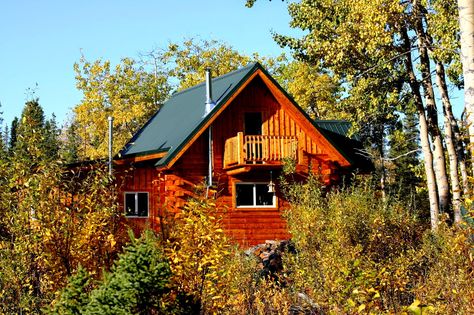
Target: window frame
[[254, 196], [136, 203]]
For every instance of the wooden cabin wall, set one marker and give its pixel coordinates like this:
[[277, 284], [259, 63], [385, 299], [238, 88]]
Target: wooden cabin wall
[[140, 178], [276, 120], [245, 226], [174, 186]]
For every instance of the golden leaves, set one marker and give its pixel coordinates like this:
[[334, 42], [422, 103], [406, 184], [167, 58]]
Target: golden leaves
[[198, 250], [127, 92]]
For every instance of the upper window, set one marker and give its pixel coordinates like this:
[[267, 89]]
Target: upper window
[[254, 195], [136, 204], [253, 123]]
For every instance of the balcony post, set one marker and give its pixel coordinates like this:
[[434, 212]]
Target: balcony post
[[300, 148], [240, 148]]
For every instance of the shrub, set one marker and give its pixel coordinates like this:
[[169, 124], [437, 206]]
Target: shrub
[[448, 284], [355, 252], [75, 296], [198, 251], [137, 284]]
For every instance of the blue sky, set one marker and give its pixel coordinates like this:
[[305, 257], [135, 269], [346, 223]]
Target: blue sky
[[41, 40]]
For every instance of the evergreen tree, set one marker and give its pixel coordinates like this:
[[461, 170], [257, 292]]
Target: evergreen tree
[[403, 155], [3, 139], [137, 282], [33, 138], [13, 135], [51, 141], [31, 135], [71, 143], [135, 285], [75, 296]]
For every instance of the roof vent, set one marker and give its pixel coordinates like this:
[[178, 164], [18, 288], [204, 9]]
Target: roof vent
[[209, 102]]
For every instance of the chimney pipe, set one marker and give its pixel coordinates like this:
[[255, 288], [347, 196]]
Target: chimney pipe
[[111, 123], [209, 106], [209, 102]]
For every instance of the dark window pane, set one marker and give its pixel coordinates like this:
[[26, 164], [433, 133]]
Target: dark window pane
[[244, 195], [253, 123], [130, 204], [142, 204], [264, 198]]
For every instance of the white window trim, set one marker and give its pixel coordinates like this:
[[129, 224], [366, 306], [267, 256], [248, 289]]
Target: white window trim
[[136, 203], [255, 206]]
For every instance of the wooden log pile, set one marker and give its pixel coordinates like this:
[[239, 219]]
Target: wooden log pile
[[269, 256]]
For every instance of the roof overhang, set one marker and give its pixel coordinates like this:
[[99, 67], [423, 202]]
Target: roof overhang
[[140, 158]]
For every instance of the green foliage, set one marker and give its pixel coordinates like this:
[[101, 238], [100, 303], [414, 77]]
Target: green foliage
[[13, 134], [443, 26], [403, 160], [339, 241], [357, 253], [31, 134], [51, 222], [191, 58], [136, 283], [51, 139], [70, 147], [316, 91], [448, 285], [75, 296]]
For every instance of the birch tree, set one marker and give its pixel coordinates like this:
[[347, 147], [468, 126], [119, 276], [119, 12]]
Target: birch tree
[[466, 25], [357, 39]]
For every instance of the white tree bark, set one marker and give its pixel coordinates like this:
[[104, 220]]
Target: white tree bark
[[466, 26], [449, 123], [439, 161], [424, 137]]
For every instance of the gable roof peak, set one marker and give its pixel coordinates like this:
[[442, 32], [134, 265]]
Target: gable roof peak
[[181, 116]]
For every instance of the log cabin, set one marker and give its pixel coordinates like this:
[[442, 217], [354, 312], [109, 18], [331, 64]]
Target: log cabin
[[233, 134]]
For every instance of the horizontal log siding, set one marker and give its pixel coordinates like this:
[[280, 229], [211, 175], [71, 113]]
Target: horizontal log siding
[[141, 178], [245, 226]]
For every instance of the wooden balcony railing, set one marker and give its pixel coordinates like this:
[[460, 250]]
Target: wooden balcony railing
[[242, 149]]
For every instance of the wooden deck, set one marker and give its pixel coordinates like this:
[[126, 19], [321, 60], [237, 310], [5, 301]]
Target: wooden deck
[[259, 149]]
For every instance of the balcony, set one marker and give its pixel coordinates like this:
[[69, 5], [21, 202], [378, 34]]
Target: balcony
[[259, 150]]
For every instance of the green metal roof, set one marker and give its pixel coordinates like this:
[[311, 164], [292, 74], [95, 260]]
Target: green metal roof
[[340, 127], [336, 131], [182, 116]]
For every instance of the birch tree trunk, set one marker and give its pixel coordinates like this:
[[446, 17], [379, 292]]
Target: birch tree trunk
[[424, 137], [466, 26], [450, 140], [432, 114]]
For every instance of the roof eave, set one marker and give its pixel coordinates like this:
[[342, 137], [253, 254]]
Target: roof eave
[[165, 162]]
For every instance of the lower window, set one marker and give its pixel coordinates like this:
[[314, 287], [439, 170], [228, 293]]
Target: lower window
[[136, 204], [254, 195]]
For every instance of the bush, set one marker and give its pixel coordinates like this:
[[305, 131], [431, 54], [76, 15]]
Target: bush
[[448, 284], [198, 251], [355, 252], [137, 284]]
